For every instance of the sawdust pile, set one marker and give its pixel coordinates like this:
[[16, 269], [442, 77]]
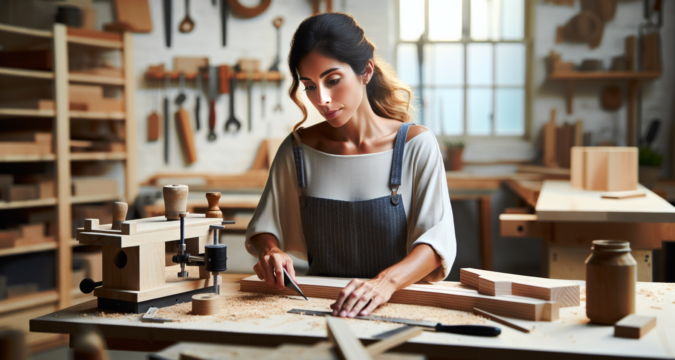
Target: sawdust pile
[[243, 306]]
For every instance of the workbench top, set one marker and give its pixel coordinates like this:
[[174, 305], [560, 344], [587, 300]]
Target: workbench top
[[571, 335]]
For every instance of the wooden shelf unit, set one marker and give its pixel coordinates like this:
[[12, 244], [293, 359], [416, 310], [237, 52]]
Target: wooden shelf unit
[[15, 312], [633, 77]]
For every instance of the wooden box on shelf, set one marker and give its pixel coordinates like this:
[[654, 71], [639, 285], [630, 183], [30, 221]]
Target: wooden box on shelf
[[604, 168], [89, 187], [26, 143]]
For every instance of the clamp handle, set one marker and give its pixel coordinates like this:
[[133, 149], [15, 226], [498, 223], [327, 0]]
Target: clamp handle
[[88, 285]]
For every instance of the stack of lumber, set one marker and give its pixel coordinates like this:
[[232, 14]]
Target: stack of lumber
[[36, 186], [90, 98], [438, 295], [26, 143]]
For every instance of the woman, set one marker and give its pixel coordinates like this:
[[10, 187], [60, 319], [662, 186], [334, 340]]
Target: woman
[[363, 194]]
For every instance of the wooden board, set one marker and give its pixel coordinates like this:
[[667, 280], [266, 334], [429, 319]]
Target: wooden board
[[347, 345], [173, 285], [571, 337], [558, 201], [489, 282], [417, 294], [144, 231]]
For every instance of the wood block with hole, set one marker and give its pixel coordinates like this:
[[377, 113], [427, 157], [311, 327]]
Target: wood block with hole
[[134, 268]]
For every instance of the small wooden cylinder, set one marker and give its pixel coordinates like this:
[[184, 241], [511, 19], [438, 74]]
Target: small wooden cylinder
[[175, 201], [119, 214], [611, 275], [205, 304], [213, 198]]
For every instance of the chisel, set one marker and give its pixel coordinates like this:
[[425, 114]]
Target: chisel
[[289, 283], [474, 330]]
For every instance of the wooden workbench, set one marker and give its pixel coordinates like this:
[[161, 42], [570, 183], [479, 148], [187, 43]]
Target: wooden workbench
[[569, 336]]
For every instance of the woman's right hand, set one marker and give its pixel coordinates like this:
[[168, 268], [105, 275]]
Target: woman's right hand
[[271, 261]]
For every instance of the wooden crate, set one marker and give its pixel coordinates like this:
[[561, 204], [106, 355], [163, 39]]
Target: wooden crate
[[604, 168], [569, 263]]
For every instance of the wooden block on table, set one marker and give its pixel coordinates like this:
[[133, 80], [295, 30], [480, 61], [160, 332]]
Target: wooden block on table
[[605, 168], [87, 187], [634, 326], [20, 192], [564, 293], [134, 268]]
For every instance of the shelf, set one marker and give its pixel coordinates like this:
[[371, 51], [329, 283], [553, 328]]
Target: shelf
[[20, 38], [27, 112], [35, 74], [51, 245], [98, 156], [604, 75], [96, 79], [28, 301], [94, 115], [95, 38], [241, 76], [93, 198], [26, 158], [27, 203]]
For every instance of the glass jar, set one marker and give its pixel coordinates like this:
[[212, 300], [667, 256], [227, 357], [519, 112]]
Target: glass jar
[[611, 275]]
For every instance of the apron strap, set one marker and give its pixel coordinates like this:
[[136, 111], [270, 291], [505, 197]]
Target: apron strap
[[299, 170], [397, 161]]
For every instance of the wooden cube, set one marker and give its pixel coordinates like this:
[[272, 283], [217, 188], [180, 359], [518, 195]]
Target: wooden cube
[[134, 268], [604, 168]]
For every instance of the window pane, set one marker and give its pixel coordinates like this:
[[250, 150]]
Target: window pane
[[447, 64], [479, 114], [513, 19], [406, 64], [509, 112], [485, 19], [411, 19], [445, 20], [449, 111], [479, 64], [510, 64]]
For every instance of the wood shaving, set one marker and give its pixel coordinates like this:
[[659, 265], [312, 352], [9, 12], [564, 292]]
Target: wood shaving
[[243, 306]]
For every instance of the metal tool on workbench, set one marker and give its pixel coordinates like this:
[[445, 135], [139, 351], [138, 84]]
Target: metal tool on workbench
[[288, 282], [213, 93], [231, 120], [473, 330], [135, 262]]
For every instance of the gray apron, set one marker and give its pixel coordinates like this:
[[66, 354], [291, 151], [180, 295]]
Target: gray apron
[[354, 239]]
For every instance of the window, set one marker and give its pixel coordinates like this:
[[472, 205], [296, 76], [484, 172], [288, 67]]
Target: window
[[473, 64]]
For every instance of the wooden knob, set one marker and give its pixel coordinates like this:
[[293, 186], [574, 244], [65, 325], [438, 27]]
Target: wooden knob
[[89, 346], [119, 214], [213, 199], [175, 201], [278, 22], [205, 304]]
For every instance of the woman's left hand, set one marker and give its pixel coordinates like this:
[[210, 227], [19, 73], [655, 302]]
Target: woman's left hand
[[362, 297]]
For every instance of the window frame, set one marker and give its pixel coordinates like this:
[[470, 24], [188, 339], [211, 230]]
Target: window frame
[[529, 7]]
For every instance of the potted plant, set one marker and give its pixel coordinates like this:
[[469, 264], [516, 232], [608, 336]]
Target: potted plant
[[650, 162], [454, 151]]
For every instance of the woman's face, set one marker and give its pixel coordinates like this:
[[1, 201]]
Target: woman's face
[[332, 86]]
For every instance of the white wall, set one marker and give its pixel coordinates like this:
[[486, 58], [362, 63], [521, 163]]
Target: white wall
[[247, 38], [605, 125]]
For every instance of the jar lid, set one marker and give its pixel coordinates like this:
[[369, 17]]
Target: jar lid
[[611, 245]]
